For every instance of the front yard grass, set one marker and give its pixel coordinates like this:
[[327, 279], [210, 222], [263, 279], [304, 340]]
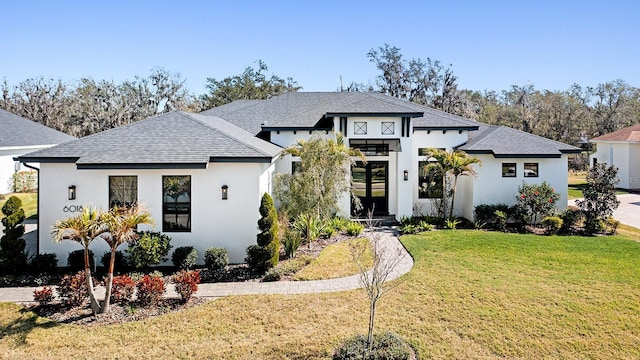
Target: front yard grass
[[577, 183], [29, 204], [335, 261], [471, 294]]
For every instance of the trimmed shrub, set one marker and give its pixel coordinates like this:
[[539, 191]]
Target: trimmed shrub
[[186, 283], [354, 228], [122, 289], [485, 213], [537, 200], [184, 257], [571, 216], [268, 225], [553, 224], [73, 289], [43, 264], [13, 259], [593, 226], [273, 274], [43, 296], [611, 225], [151, 248], [387, 346], [216, 258], [291, 242], [258, 258], [121, 265], [150, 290], [75, 261]]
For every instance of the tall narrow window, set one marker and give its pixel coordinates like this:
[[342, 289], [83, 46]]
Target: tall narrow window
[[430, 183], [176, 203], [123, 191]]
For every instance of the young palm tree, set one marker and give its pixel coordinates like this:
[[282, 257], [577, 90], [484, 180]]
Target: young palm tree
[[122, 224], [83, 229], [456, 164]]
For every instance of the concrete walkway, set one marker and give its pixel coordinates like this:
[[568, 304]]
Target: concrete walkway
[[390, 247]]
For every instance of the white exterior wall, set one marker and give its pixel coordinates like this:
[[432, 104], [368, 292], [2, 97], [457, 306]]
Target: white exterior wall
[[231, 223], [489, 187], [634, 166], [8, 166], [434, 139], [623, 155]]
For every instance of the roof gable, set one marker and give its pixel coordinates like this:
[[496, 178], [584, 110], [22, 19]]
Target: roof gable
[[16, 131]]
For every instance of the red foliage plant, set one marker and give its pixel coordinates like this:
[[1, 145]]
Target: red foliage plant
[[150, 290], [186, 283], [73, 289], [43, 296], [122, 288]]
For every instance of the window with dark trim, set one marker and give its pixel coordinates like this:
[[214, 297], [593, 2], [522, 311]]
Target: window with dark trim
[[296, 166], [123, 191], [508, 169], [388, 128], [360, 128], [176, 203], [530, 169], [430, 183]]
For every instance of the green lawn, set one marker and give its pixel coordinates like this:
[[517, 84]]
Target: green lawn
[[29, 203], [471, 294], [335, 261], [578, 181]]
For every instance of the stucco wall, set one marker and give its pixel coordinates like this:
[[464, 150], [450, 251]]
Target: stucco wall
[[231, 223], [491, 188], [624, 156]]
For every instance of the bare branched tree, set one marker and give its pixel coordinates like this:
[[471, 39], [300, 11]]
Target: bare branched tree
[[374, 280]]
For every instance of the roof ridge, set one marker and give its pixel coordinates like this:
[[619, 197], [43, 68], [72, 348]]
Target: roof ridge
[[219, 131]]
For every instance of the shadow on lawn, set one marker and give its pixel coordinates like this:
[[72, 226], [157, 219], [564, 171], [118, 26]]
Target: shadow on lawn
[[20, 328]]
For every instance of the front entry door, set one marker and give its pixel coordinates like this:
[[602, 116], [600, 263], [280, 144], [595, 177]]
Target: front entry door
[[371, 186]]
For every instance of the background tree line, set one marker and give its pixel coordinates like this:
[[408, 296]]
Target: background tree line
[[89, 106]]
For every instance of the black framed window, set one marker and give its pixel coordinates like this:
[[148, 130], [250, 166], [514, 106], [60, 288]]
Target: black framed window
[[176, 203], [508, 169], [123, 191], [388, 128], [430, 183], [530, 169], [296, 166]]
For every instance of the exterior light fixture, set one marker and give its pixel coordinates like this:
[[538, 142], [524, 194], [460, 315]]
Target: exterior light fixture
[[225, 192], [72, 192], [406, 175]]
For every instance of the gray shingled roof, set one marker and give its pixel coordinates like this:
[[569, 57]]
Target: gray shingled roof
[[175, 139], [502, 141], [18, 131]]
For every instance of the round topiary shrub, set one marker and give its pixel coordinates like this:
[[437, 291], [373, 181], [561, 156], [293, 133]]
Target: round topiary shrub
[[150, 248], [43, 264], [387, 346], [184, 257], [75, 261]]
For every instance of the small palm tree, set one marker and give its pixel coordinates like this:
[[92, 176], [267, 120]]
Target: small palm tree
[[83, 229], [122, 224], [456, 164]]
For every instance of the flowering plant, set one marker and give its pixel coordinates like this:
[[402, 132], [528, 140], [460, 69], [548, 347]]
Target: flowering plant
[[538, 200]]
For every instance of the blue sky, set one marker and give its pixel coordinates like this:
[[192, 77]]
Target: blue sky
[[490, 44]]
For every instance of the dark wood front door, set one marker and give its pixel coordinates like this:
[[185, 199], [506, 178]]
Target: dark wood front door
[[371, 185]]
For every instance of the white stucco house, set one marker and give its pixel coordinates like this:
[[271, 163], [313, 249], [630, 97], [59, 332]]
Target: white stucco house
[[222, 160], [19, 136], [621, 149]]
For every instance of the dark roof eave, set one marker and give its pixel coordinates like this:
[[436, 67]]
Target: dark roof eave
[[571, 151], [294, 128], [390, 114], [446, 128], [246, 159], [66, 160], [521, 156]]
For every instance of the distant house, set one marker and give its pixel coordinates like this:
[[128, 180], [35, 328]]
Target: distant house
[[622, 149], [19, 136], [202, 175]]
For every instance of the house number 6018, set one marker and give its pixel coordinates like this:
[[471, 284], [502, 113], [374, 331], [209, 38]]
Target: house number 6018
[[72, 208]]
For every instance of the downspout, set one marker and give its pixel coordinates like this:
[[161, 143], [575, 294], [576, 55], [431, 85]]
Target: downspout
[[37, 205]]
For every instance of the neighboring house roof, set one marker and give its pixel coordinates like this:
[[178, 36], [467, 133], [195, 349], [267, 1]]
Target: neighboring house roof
[[503, 142], [171, 140], [16, 131], [628, 134]]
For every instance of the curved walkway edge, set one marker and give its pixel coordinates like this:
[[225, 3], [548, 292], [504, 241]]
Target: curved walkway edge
[[389, 247]]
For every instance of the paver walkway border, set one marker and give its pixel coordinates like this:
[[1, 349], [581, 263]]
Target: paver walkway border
[[390, 247]]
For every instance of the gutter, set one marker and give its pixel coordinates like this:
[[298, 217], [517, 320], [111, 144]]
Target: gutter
[[37, 205]]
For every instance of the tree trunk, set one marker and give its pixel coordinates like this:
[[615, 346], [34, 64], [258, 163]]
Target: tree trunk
[[453, 195], [372, 315], [107, 295], [95, 307]]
